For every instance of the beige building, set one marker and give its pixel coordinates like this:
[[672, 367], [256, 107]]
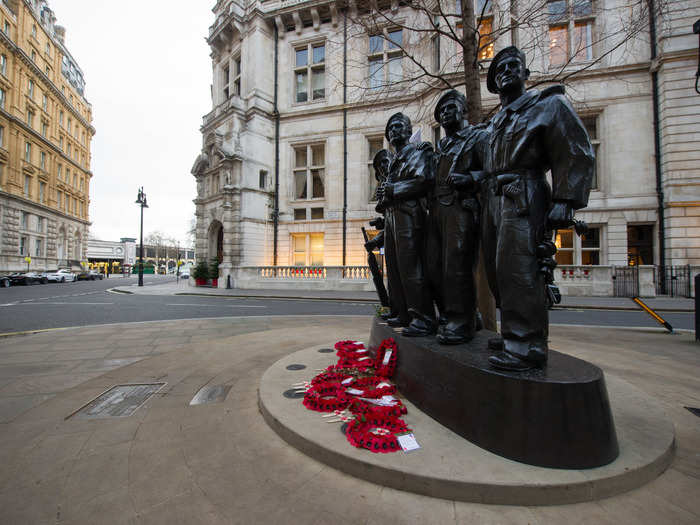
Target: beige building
[[285, 177], [45, 134]]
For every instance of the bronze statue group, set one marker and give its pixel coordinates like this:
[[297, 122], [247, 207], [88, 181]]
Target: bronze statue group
[[482, 187]]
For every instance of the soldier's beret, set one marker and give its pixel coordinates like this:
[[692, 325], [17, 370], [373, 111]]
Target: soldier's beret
[[450, 95], [510, 51], [397, 116], [381, 154]]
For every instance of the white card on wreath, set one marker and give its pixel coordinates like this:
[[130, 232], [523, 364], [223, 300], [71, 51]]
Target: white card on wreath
[[407, 442]]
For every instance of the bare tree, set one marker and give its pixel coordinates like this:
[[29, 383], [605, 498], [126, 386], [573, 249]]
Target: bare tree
[[158, 241], [445, 44]]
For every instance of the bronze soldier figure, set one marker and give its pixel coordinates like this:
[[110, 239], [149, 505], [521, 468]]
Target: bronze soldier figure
[[454, 220], [533, 132], [402, 195], [398, 313]]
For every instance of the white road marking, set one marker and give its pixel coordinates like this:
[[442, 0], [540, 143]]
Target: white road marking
[[218, 305], [42, 304]]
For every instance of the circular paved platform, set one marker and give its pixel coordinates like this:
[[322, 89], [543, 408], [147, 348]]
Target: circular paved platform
[[447, 466]]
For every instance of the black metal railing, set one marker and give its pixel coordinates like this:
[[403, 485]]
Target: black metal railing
[[673, 281], [625, 281]]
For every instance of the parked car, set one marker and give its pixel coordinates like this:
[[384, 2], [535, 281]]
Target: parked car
[[27, 278], [61, 276], [90, 275], [5, 281]]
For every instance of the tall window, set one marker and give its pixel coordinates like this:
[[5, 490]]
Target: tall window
[[30, 89], [640, 244], [24, 220], [309, 171], [42, 192], [375, 145], [572, 249], [59, 172], [38, 245], [385, 59], [570, 31], [307, 249], [225, 79], [6, 28], [30, 118], [591, 124], [40, 224], [2, 99], [34, 30], [3, 65], [59, 198], [23, 245], [2, 137], [42, 160], [237, 76], [28, 151], [27, 185], [44, 128], [310, 72], [44, 102], [60, 118]]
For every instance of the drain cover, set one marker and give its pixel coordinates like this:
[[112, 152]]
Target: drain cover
[[325, 350], [210, 394], [292, 394], [692, 410], [296, 367], [118, 401]]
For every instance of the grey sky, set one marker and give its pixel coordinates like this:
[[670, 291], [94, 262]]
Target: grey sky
[[147, 72]]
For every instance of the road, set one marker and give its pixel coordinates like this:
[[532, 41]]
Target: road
[[83, 303]]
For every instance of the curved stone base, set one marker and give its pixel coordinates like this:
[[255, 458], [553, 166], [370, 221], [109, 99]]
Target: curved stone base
[[556, 417], [448, 466]]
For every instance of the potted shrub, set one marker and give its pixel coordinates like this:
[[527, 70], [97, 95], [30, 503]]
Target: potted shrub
[[214, 272], [200, 273]]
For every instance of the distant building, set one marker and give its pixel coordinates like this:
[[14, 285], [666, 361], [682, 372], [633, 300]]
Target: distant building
[[285, 174], [126, 253], [45, 135]]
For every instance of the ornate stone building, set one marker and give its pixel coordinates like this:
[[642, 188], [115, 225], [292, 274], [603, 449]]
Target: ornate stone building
[[285, 176], [45, 134]]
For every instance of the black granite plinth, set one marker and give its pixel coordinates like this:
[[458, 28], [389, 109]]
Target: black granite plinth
[[556, 417]]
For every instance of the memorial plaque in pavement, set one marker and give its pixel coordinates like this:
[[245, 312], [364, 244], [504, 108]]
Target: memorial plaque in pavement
[[119, 401]]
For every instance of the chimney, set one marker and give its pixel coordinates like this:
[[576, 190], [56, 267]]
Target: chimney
[[60, 34]]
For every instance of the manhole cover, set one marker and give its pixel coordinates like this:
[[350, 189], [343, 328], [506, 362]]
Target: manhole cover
[[293, 394], [118, 401], [325, 350], [210, 394], [296, 367], [693, 410]]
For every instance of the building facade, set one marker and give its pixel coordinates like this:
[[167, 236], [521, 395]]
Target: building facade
[[302, 91], [123, 255], [45, 136]]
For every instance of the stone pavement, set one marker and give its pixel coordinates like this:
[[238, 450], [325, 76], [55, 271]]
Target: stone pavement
[[662, 304], [220, 463]]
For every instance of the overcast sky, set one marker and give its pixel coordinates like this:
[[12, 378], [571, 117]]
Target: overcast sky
[[147, 72]]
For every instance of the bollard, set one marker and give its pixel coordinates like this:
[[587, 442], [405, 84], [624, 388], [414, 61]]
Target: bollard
[[697, 304], [228, 282]]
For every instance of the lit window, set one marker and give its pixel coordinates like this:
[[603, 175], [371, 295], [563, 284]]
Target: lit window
[[385, 59], [310, 72], [307, 249], [570, 31], [375, 145], [309, 171], [574, 250]]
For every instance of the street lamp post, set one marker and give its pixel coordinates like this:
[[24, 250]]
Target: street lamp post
[[141, 201]]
